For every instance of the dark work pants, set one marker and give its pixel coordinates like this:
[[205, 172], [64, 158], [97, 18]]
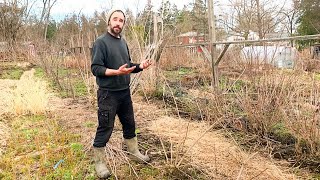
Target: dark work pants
[[112, 103]]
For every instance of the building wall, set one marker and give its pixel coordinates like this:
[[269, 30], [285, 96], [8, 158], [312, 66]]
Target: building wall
[[278, 56]]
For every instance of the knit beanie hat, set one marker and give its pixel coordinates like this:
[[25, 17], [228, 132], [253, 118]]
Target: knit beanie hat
[[111, 11]]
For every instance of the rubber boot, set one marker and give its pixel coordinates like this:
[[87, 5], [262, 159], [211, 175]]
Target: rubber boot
[[100, 165], [132, 145]]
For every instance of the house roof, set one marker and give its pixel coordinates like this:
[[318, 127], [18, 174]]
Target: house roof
[[190, 34], [276, 35]]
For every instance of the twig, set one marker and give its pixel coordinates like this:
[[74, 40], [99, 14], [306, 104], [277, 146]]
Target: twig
[[154, 116], [195, 142], [245, 162], [183, 141], [240, 172], [258, 174]]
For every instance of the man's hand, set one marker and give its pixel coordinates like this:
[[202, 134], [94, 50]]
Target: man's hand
[[121, 71], [124, 70], [145, 64]]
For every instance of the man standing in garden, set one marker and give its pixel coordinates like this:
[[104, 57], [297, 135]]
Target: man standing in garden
[[111, 64]]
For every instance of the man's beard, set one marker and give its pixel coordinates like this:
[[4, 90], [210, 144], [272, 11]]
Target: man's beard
[[113, 31]]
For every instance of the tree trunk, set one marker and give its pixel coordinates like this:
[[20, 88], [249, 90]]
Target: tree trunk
[[260, 27]]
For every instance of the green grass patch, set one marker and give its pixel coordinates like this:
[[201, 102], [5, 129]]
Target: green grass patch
[[80, 88], [316, 176], [68, 84], [149, 172], [75, 88], [317, 76], [231, 85], [172, 75], [185, 70], [39, 72], [90, 124], [282, 134], [63, 72], [162, 171], [13, 72], [157, 93], [178, 73], [40, 148]]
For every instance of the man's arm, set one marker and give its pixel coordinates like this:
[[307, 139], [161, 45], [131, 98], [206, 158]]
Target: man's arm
[[121, 71], [98, 54]]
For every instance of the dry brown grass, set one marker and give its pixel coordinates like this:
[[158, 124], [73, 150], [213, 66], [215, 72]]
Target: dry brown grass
[[75, 62], [24, 96], [290, 98], [148, 80], [307, 63], [279, 106], [220, 157], [277, 110], [6, 103], [4, 133], [30, 95], [172, 58]]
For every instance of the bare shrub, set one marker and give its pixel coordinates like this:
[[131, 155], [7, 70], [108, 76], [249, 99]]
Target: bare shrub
[[172, 58], [307, 63], [275, 108], [281, 106], [75, 62]]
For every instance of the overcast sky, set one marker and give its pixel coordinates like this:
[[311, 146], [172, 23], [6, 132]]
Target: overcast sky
[[87, 7]]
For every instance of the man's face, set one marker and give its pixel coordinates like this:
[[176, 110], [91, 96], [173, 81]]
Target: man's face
[[116, 23]]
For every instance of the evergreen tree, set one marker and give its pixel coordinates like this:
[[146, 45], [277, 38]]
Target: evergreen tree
[[145, 21], [199, 17], [52, 30], [309, 21], [184, 23]]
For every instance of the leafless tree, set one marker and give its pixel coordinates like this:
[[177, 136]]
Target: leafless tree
[[261, 16], [290, 19], [45, 14], [13, 16]]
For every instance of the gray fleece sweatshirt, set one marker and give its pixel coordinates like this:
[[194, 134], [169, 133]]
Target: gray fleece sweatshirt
[[111, 52]]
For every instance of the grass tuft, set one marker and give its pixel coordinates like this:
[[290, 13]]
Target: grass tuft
[[30, 96], [39, 148]]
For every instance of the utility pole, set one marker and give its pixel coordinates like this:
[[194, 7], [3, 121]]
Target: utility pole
[[212, 38]]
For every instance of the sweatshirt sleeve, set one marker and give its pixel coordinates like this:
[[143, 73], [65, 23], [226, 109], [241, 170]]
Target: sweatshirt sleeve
[[98, 55], [137, 69]]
